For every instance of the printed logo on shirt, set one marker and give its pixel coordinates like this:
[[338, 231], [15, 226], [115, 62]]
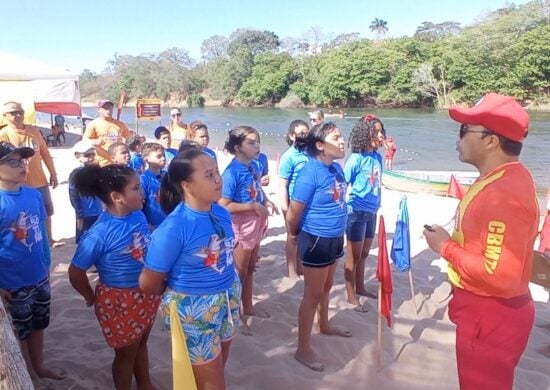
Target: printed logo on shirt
[[138, 248], [374, 180], [338, 191], [22, 228], [112, 136], [212, 253], [493, 250]]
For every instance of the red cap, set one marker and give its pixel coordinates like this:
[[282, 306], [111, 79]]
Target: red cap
[[102, 102], [498, 113]]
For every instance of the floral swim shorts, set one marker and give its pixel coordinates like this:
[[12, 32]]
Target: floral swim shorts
[[206, 320]]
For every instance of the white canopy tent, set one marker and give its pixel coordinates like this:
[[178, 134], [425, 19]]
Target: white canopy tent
[[39, 87]]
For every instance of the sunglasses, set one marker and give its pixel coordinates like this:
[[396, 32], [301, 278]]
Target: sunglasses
[[15, 162], [218, 228], [18, 112], [176, 115], [334, 171], [464, 129], [89, 154]]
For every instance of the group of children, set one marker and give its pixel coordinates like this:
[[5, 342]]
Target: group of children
[[163, 227]]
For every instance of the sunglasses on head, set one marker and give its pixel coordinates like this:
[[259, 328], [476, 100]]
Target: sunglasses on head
[[334, 171], [14, 162], [218, 228], [465, 129]]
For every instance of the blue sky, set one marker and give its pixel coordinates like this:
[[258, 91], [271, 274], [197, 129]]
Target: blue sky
[[78, 34]]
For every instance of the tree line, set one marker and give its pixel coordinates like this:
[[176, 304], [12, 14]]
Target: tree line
[[507, 51]]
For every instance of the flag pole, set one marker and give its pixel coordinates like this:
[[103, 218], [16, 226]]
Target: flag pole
[[379, 342], [412, 290]]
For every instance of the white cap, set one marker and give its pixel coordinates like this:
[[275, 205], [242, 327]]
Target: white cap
[[83, 146]]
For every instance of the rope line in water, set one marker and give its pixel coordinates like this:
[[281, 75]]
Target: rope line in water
[[414, 154]]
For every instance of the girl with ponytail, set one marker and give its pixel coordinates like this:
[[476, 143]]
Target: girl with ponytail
[[117, 244], [190, 261]]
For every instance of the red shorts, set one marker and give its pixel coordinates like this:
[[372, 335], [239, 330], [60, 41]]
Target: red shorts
[[491, 335], [124, 313]]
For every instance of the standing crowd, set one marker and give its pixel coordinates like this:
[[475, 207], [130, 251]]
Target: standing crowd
[[163, 228]]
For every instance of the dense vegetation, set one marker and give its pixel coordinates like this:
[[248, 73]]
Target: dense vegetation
[[508, 51]]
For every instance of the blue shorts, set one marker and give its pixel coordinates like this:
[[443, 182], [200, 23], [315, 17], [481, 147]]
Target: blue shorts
[[361, 225], [206, 320], [30, 308], [317, 251]]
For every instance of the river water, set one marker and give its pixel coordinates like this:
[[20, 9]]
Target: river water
[[426, 138]]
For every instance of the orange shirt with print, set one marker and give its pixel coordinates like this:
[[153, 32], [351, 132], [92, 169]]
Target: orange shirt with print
[[108, 131], [491, 249], [31, 137]]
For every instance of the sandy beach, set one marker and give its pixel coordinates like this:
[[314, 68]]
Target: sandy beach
[[418, 352]]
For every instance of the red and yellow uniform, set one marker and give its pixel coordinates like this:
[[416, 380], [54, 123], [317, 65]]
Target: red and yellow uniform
[[178, 132], [490, 259], [108, 131]]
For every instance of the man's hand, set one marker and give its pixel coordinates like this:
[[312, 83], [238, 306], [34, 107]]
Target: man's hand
[[436, 237], [53, 181]]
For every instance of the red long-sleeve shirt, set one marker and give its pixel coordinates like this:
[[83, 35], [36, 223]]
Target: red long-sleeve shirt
[[491, 249]]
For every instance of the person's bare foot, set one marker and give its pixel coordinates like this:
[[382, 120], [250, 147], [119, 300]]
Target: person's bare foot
[[244, 329], [48, 373], [364, 293], [309, 359], [336, 331]]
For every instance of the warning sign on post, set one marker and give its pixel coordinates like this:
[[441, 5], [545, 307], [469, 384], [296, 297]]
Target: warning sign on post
[[148, 109]]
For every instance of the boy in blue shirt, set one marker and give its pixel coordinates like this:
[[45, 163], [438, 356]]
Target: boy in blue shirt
[[24, 259], [163, 135], [136, 159], [202, 138], [120, 154], [87, 208], [154, 155]]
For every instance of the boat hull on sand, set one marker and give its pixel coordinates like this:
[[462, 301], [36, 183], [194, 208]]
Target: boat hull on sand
[[430, 182]]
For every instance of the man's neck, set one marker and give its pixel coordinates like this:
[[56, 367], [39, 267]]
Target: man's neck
[[16, 127], [490, 165]]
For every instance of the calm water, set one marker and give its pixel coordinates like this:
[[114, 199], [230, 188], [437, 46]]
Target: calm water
[[426, 138]]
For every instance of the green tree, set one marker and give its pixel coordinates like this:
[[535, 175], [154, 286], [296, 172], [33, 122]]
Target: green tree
[[272, 75], [380, 27]]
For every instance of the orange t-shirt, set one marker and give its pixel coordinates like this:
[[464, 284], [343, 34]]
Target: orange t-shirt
[[496, 223], [178, 134], [32, 138], [109, 131]]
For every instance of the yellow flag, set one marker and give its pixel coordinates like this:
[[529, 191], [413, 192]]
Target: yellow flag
[[182, 371]]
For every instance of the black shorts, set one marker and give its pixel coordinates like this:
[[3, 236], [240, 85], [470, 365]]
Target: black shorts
[[316, 251], [30, 308]]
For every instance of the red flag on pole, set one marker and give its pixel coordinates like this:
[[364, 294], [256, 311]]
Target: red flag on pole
[[121, 102], [455, 189], [383, 273]]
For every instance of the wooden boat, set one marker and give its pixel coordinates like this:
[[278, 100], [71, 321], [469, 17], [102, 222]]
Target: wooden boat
[[431, 182]]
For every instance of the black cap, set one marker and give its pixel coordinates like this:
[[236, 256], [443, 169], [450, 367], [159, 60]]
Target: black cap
[[7, 149]]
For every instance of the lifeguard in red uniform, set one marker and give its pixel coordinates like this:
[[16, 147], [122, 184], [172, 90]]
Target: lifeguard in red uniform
[[491, 248]]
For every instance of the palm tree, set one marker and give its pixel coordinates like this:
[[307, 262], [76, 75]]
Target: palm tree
[[379, 26]]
